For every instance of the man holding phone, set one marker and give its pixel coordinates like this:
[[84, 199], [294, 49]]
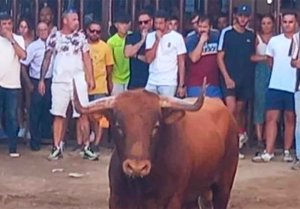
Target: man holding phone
[[202, 51]]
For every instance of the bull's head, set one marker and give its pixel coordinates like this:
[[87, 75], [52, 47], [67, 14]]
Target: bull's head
[[136, 118]]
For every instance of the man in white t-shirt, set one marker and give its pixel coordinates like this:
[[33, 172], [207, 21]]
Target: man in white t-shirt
[[280, 95], [71, 61], [165, 52], [12, 50]]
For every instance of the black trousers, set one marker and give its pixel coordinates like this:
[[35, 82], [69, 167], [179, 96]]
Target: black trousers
[[40, 117]]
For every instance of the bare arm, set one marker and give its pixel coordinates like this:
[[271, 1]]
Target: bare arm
[[258, 58], [46, 64], [181, 69], [25, 77], [131, 50], [89, 70], [221, 64], [151, 53], [196, 54], [21, 53], [109, 78], [270, 61]]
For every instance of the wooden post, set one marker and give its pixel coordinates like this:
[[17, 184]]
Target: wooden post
[[157, 5], [230, 11], [81, 14], [14, 13], [133, 13], [278, 15], [36, 12], [205, 7], [106, 17], [181, 14], [59, 11]]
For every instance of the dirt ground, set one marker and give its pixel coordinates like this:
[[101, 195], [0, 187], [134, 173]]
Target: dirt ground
[[29, 183]]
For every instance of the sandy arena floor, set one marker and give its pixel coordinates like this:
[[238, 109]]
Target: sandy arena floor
[[28, 183]]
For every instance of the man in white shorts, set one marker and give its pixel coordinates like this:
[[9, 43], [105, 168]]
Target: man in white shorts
[[71, 61]]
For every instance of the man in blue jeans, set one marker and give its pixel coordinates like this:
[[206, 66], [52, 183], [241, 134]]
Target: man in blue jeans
[[11, 51]]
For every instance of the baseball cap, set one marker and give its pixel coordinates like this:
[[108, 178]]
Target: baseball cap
[[244, 10]]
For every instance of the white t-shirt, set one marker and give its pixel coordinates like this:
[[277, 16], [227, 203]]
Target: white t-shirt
[[35, 56], [10, 63], [67, 55], [283, 75], [164, 68]]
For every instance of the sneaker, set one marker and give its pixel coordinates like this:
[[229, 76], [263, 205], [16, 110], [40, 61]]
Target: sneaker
[[243, 138], [14, 155], [55, 154], [89, 154], [62, 146], [264, 157], [296, 165], [287, 156], [22, 132], [241, 156]]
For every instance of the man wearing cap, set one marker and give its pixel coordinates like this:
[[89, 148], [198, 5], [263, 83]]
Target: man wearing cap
[[235, 49], [71, 61], [12, 50], [120, 73]]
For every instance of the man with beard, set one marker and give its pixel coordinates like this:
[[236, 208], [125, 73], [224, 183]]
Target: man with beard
[[235, 49], [103, 62], [135, 49], [202, 52]]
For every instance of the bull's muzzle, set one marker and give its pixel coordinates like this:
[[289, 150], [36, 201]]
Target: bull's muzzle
[[136, 168]]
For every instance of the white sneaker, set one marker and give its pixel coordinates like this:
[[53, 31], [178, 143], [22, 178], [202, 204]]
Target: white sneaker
[[243, 138], [287, 156], [264, 157], [241, 156], [62, 146], [14, 155], [22, 132]]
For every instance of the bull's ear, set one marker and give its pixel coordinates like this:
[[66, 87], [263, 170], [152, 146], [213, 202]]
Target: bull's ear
[[171, 116]]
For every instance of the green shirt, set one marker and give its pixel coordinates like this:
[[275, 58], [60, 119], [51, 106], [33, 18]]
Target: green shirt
[[120, 74]]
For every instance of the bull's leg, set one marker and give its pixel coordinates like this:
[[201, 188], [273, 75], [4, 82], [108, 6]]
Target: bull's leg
[[221, 197], [205, 200], [175, 202]]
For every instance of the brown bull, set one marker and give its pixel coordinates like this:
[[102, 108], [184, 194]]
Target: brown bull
[[168, 151]]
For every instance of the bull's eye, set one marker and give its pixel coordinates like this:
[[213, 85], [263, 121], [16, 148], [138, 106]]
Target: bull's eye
[[155, 129]]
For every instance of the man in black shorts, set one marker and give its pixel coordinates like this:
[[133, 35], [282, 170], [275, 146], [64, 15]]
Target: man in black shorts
[[235, 49]]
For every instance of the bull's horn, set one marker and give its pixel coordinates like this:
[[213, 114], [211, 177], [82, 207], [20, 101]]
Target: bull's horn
[[168, 102], [92, 107]]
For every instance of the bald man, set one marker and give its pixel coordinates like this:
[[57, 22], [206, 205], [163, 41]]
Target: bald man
[[71, 61], [31, 68], [46, 16]]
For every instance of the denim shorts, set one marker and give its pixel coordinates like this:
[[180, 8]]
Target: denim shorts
[[211, 91], [280, 100]]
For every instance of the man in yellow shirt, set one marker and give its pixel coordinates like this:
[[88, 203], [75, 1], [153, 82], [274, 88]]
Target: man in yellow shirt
[[103, 62]]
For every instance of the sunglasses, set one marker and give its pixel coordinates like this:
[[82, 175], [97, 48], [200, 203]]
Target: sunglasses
[[145, 22], [95, 31]]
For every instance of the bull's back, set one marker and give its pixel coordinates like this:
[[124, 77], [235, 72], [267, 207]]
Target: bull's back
[[206, 136]]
